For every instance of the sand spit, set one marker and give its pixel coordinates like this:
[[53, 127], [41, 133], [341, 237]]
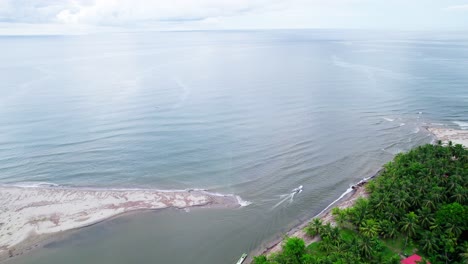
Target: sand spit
[[446, 134], [29, 212]]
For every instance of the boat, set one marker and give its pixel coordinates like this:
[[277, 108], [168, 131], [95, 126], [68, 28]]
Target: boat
[[297, 190], [242, 258]]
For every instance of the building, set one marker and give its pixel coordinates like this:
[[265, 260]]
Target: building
[[413, 259]]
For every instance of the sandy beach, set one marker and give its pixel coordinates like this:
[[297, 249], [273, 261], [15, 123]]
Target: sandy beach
[[447, 134], [27, 214]]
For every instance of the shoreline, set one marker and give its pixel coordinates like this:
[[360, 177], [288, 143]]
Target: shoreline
[[56, 211], [347, 199], [33, 215], [457, 136]]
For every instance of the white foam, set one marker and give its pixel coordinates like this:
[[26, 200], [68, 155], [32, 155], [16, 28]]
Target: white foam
[[402, 124], [350, 189], [33, 184], [241, 202], [461, 124], [388, 119]]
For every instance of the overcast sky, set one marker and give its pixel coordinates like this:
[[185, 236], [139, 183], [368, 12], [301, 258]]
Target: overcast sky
[[83, 16]]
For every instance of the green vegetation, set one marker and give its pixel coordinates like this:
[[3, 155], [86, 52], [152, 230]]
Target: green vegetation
[[418, 204]]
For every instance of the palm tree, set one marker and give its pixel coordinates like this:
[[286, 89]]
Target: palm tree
[[429, 203], [340, 217], [326, 245], [392, 213], [459, 195], [369, 228], [428, 242], [360, 210], [341, 247], [409, 225], [392, 231], [334, 233], [464, 253], [415, 200], [453, 229], [425, 218], [365, 246], [314, 227], [310, 259], [325, 230], [402, 202], [436, 195], [293, 250]]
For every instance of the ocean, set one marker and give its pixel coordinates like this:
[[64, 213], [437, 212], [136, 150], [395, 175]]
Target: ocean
[[250, 113]]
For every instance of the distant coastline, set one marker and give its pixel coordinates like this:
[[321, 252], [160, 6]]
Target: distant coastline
[[31, 214]]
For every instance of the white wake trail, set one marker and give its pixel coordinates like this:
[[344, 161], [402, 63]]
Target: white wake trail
[[290, 197]]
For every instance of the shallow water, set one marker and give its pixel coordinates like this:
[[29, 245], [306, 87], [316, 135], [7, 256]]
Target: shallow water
[[253, 113]]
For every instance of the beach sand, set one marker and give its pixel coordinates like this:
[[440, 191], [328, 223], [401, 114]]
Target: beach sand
[[447, 134], [28, 215]]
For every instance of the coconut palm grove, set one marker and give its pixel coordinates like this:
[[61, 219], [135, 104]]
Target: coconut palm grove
[[418, 204]]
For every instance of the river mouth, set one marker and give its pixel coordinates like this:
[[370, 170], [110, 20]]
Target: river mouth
[[254, 114]]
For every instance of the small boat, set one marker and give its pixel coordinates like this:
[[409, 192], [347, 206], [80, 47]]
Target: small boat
[[297, 190], [242, 258]]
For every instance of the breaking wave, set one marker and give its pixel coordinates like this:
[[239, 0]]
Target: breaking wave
[[461, 124]]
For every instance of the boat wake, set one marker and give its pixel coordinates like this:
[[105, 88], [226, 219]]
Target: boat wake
[[288, 197]]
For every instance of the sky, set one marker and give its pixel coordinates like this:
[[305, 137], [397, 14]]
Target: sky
[[88, 16]]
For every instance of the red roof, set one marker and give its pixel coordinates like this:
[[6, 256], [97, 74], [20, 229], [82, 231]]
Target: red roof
[[412, 259]]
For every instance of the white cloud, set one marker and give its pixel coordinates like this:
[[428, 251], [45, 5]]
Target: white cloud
[[130, 15], [458, 8], [117, 12]]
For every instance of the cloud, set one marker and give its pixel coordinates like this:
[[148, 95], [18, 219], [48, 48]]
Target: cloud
[[128, 15], [120, 12], [458, 8], [131, 12]]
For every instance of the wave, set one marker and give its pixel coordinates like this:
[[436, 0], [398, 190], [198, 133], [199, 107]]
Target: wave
[[31, 184], [463, 125], [388, 119], [390, 128], [350, 189], [242, 202]]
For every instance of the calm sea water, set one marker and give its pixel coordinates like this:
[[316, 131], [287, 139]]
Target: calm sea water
[[253, 113]]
